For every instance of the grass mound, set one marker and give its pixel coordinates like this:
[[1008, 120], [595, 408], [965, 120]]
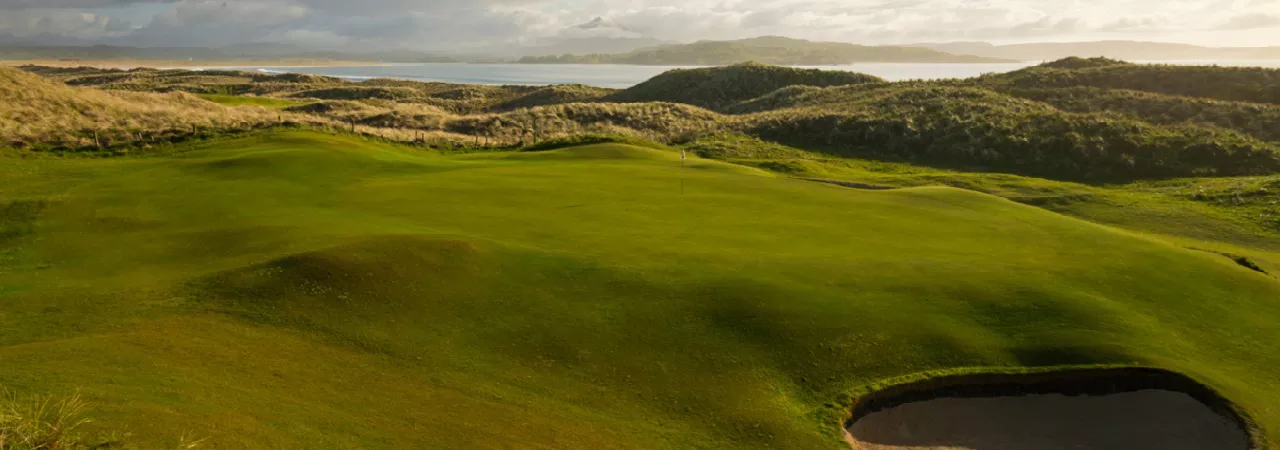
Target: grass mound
[[374, 273], [722, 86]]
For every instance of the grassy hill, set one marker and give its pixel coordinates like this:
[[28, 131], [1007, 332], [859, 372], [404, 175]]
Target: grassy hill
[[769, 49]]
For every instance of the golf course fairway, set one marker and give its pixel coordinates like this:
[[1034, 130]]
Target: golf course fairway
[[303, 290]]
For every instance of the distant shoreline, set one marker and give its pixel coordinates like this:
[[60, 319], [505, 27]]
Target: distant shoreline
[[136, 63]]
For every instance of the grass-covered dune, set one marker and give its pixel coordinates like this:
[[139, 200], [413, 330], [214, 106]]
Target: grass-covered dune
[[1243, 84], [988, 131], [1259, 120], [37, 113], [455, 98], [717, 87], [304, 290]]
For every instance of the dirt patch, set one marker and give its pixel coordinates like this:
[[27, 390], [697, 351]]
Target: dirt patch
[[1144, 419], [1094, 409], [1243, 261]]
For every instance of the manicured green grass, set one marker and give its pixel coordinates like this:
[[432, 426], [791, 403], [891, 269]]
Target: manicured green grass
[[242, 100], [1243, 211], [297, 290]]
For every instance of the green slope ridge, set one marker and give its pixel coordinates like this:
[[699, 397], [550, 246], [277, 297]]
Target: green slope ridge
[[297, 289]]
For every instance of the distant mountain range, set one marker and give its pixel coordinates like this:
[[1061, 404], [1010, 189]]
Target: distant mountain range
[[601, 41], [1126, 50], [240, 52], [769, 50]]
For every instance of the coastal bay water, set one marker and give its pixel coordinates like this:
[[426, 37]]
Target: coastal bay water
[[623, 76]]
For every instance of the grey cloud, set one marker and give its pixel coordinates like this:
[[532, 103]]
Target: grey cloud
[[72, 4], [66, 24]]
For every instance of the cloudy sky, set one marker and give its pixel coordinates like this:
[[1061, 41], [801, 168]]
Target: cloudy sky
[[444, 24]]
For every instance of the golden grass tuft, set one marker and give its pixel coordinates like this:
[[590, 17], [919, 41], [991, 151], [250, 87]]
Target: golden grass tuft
[[41, 423]]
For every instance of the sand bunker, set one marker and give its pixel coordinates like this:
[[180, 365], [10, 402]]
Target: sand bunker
[[1144, 419]]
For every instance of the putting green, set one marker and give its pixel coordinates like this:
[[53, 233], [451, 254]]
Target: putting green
[[303, 290]]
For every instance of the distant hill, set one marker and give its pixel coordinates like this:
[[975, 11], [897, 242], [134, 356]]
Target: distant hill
[[769, 50], [239, 52], [1128, 50], [721, 86]]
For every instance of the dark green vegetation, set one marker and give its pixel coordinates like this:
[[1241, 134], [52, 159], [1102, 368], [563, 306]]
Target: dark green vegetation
[[1093, 120], [719, 87], [769, 49], [297, 289], [1243, 84]]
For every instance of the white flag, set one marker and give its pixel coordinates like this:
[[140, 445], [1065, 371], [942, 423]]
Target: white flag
[[682, 155]]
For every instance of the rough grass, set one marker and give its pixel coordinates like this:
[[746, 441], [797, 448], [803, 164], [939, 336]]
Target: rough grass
[[306, 290], [41, 423], [53, 423], [240, 100], [37, 113]]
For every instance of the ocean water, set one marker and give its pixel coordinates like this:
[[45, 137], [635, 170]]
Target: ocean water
[[620, 76]]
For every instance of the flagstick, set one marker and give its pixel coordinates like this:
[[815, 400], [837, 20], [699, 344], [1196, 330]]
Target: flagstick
[[682, 156]]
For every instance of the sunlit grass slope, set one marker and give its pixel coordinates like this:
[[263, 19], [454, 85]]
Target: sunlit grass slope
[[298, 290]]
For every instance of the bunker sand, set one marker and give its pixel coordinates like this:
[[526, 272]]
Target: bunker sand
[[1148, 419]]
